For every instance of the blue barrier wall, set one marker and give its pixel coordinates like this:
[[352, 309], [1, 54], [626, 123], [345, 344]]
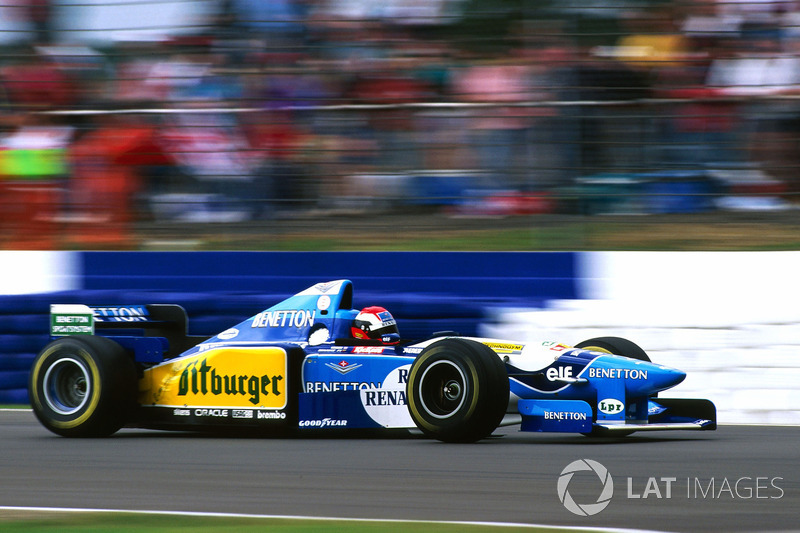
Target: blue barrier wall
[[426, 291], [493, 275]]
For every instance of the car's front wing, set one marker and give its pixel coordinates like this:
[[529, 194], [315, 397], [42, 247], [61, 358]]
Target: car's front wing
[[576, 416]]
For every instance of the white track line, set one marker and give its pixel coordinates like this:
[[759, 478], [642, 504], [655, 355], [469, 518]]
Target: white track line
[[322, 518]]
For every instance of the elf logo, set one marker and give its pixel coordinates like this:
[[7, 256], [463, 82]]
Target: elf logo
[[560, 373]]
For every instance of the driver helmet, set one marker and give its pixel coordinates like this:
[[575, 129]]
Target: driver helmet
[[375, 323]]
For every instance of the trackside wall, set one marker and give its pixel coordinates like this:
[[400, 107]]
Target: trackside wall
[[427, 292], [729, 319]]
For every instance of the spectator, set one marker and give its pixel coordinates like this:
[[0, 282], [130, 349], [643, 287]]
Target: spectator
[[33, 169], [37, 83], [498, 131], [109, 165]]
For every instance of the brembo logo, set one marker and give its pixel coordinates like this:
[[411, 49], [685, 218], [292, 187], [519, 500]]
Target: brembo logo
[[585, 509]]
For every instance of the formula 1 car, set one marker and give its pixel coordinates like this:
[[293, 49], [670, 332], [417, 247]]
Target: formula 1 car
[[312, 364]]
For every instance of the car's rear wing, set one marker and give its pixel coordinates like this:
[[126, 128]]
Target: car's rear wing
[[79, 319], [155, 320]]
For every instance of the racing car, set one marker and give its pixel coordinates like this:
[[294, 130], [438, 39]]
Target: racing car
[[312, 363]]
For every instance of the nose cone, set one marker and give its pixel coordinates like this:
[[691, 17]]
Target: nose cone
[[641, 378], [663, 377]]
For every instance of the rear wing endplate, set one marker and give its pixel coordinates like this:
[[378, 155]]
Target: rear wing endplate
[[157, 320], [79, 319], [71, 319]]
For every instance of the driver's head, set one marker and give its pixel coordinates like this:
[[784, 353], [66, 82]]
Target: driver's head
[[376, 323]]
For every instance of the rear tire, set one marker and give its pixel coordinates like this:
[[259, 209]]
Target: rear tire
[[458, 390], [83, 386]]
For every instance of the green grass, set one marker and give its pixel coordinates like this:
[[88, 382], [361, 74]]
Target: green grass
[[514, 239], [700, 232], [150, 523]]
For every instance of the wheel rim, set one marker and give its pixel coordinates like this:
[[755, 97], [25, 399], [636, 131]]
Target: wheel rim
[[443, 389], [596, 349], [67, 386]]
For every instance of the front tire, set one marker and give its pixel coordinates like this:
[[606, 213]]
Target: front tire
[[458, 390], [616, 346], [83, 386]]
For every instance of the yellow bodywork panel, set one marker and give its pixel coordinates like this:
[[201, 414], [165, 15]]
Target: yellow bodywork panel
[[219, 377]]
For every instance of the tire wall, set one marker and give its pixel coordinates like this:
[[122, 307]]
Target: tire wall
[[426, 292]]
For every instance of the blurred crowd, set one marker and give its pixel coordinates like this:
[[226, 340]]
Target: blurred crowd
[[266, 108]]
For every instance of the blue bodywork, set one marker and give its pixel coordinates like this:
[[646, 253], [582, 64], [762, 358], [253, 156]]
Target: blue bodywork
[[336, 382]]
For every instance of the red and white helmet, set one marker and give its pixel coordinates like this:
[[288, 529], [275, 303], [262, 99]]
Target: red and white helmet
[[375, 323]]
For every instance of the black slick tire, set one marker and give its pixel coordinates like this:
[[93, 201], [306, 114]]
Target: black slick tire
[[83, 386], [458, 390]]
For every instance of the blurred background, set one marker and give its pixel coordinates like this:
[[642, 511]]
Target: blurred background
[[401, 124]]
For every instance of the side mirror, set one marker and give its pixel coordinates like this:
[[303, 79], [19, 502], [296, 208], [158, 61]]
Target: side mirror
[[318, 334]]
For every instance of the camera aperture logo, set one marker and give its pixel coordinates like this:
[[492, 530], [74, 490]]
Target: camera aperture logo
[[664, 487], [585, 509]]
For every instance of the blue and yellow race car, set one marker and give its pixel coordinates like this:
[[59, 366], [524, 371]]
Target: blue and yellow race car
[[312, 364]]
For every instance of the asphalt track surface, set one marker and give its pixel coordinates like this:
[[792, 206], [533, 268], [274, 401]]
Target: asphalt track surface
[[739, 478]]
